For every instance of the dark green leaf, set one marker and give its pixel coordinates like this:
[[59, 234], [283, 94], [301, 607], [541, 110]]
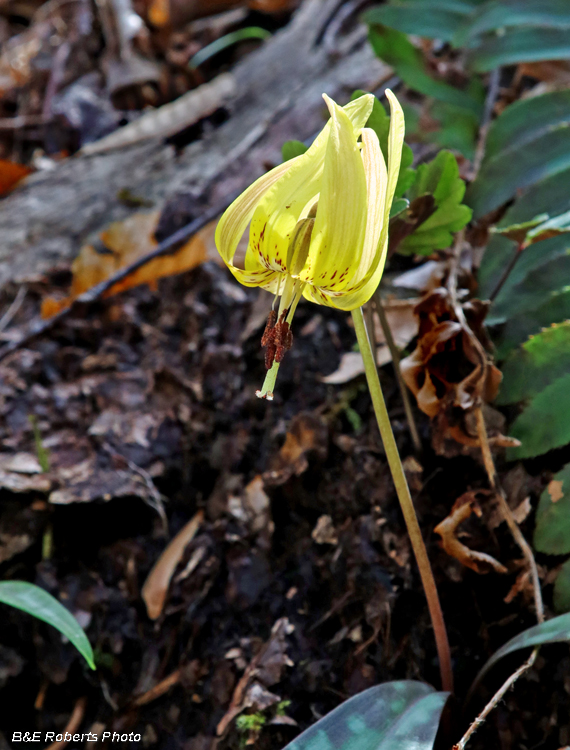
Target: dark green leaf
[[512, 169], [550, 196], [520, 45], [398, 205], [416, 17], [499, 14], [395, 49], [542, 268], [537, 364], [40, 604], [520, 327], [562, 589], [439, 178], [526, 120], [402, 715], [291, 149], [458, 128], [545, 423], [552, 531], [556, 630]]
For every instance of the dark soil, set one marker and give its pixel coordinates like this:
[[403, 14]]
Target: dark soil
[[163, 382]]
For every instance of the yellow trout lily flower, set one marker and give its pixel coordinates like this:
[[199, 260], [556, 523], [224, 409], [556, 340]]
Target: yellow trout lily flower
[[318, 222]]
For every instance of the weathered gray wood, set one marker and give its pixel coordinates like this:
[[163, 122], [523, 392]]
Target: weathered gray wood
[[279, 87]]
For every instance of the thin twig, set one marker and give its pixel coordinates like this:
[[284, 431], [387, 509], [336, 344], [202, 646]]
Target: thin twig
[[396, 364], [495, 700], [6, 319], [507, 513], [168, 246], [529, 557], [492, 93], [507, 272]]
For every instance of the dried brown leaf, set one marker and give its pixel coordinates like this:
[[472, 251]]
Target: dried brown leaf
[[462, 509], [156, 586]]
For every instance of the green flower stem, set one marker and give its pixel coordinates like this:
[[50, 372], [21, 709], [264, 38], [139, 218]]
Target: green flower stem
[[405, 499]]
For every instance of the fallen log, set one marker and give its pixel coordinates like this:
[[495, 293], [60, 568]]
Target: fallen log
[[277, 97]]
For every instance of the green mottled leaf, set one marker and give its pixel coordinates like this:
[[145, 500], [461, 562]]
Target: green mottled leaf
[[498, 14], [396, 49], [37, 602], [379, 122], [552, 530], [439, 178], [520, 327], [291, 149], [402, 715], [537, 364], [545, 423], [562, 589], [512, 169], [556, 630]]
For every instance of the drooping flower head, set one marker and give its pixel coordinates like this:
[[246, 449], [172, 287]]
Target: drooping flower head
[[318, 223]]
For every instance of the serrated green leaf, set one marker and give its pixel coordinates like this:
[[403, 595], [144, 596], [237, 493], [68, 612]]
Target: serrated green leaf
[[519, 45], [39, 603], [396, 49], [379, 122], [291, 149], [537, 364], [552, 530], [556, 630], [519, 232], [401, 715], [439, 178], [562, 589], [545, 423], [498, 14]]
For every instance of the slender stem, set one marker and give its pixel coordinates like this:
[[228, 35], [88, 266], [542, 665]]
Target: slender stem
[[476, 723], [405, 499], [507, 272], [396, 364]]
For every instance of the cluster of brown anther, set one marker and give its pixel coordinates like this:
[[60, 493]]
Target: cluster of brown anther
[[277, 337]]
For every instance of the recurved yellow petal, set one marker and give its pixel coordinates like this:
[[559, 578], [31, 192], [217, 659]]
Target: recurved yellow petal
[[237, 216], [340, 224]]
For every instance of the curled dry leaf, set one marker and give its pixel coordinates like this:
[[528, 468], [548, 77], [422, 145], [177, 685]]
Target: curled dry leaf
[[449, 371], [156, 585], [124, 242], [462, 509]]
